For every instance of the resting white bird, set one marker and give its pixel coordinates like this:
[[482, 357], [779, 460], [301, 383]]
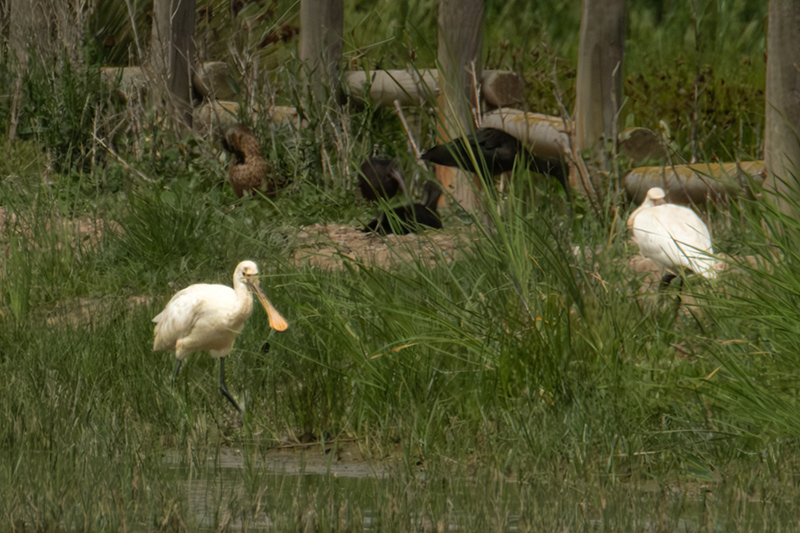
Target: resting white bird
[[209, 317], [673, 237]]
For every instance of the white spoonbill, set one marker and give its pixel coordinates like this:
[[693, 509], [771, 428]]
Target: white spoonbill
[[672, 236], [209, 317]]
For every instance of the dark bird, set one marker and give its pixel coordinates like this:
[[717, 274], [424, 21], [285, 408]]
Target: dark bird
[[494, 151], [380, 178], [249, 171], [409, 218]]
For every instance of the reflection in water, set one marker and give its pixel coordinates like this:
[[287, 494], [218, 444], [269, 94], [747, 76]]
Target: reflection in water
[[273, 492], [212, 501], [314, 491]]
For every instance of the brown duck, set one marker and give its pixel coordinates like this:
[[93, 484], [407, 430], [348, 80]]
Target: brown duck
[[249, 171]]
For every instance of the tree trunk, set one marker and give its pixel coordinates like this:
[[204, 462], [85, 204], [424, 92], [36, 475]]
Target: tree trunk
[[172, 52], [321, 29], [460, 41], [28, 24], [46, 27], [5, 28], [598, 86], [781, 141]]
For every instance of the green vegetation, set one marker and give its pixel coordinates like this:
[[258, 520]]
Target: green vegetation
[[531, 380]]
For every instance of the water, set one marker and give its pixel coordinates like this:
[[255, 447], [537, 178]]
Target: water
[[320, 492]]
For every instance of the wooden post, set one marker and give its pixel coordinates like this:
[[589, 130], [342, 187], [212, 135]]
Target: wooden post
[[172, 52], [459, 52], [782, 135], [321, 28], [598, 85]]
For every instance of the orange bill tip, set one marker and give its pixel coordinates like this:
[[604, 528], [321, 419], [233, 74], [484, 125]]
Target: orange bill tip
[[276, 320]]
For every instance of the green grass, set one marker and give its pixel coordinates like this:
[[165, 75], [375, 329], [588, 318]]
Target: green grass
[[514, 384], [518, 357]]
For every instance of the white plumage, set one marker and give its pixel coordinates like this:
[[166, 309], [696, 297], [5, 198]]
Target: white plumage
[[672, 236], [209, 317]]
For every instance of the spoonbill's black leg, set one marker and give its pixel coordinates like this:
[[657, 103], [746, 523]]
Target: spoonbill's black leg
[[223, 387], [177, 369]]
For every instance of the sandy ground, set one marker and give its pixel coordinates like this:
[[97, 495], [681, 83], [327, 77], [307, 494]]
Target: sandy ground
[[329, 246]]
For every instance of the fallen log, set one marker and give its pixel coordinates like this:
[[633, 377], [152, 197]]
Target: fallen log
[[213, 80], [222, 115], [216, 113], [694, 184], [415, 87], [544, 135], [639, 144], [502, 88], [282, 115], [409, 87], [130, 82]]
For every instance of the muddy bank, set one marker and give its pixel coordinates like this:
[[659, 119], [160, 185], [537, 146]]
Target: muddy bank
[[329, 246], [340, 458]]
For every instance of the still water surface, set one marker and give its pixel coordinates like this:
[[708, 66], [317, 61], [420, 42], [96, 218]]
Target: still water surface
[[322, 492]]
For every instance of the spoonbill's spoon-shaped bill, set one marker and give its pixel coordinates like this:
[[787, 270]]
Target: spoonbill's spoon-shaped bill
[[276, 320]]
